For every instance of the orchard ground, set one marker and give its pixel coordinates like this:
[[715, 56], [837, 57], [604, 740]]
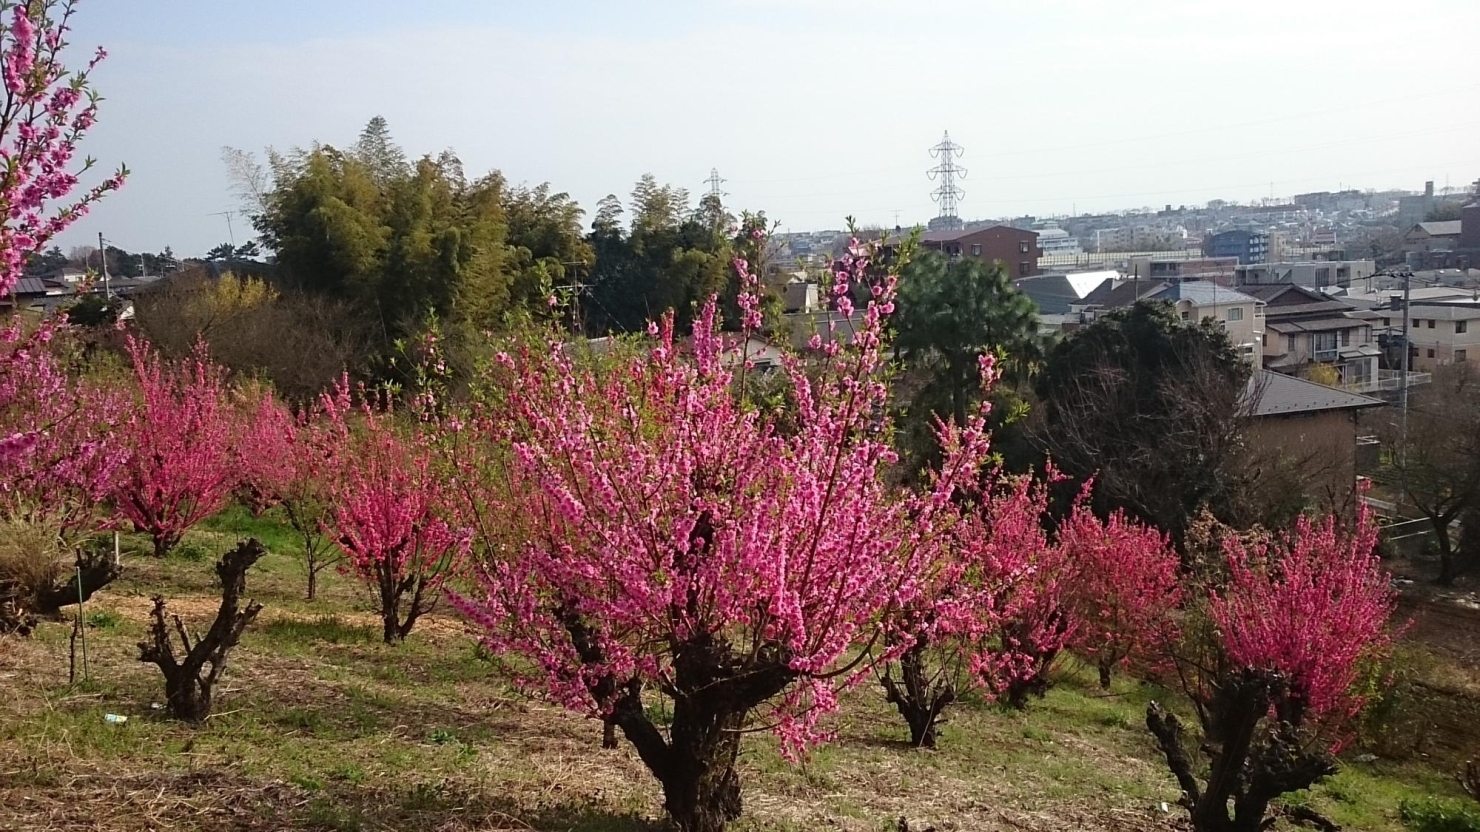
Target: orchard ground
[[319, 726]]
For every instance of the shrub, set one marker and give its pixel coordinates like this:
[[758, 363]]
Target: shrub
[[34, 576]]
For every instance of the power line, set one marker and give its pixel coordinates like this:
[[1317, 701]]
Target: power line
[[948, 195]]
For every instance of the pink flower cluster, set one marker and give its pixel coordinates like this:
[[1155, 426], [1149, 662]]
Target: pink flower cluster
[[388, 508], [181, 437], [1122, 584], [46, 111], [58, 466], [1310, 605]]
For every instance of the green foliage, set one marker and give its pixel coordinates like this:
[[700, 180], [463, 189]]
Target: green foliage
[[407, 239], [1434, 815], [1151, 407], [94, 311], [190, 553], [671, 258], [104, 620], [951, 313]]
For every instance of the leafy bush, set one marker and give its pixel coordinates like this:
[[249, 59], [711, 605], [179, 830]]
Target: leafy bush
[[1434, 815]]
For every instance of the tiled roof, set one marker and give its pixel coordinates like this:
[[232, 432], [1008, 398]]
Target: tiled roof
[[1276, 394], [1447, 228], [1200, 292]]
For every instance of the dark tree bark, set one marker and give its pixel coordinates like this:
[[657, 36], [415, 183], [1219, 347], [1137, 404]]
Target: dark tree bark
[[187, 682], [1250, 764], [98, 570], [918, 700], [714, 690], [396, 621], [1105, 667]]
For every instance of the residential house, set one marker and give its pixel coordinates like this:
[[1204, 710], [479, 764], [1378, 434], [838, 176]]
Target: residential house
[[1312, 274], [1428, 237], [1439, 333], [1248, 246], [1054, 294], [1016, 249], [1194, 301], [1312, 426], [1469, 228], [1304, 327], [1154, 267]]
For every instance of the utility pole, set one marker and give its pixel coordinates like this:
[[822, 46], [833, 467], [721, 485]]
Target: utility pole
[[103, 257], [230, 232], [1403, 381]]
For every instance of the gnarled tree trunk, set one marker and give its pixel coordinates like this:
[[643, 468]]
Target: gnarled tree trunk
[[187, 683], [1250, 764], [917, 699]]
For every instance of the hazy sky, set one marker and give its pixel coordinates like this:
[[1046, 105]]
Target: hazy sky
[[812, 109]]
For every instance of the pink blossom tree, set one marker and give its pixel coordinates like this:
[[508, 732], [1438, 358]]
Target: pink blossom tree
[[1122, 586], [68, 474], [45, 112], [685, 544], [389, 509], [181, 438], [265, 458], [1273, 668], [987, 617]]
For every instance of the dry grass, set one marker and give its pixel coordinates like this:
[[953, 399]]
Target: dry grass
[[320, 727], [30, 559]]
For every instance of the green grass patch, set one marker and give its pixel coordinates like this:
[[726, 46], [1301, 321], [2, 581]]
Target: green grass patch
[[324, 629]]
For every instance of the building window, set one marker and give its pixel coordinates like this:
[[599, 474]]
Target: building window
[[1236, 314], [1346, 337], [1186, 316], [1461, 355], [976, 249], [1323, 276], [1431, 352], [1461, 327], [1264, 339], [1387, 321], [1023, 246], [1431, 323], [1024, 268], [1323, 345], [1289, 343]]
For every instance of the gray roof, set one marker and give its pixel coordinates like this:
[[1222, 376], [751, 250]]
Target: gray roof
[[1447, 228], [1201, 292], [1277, 394], [1442, 312]]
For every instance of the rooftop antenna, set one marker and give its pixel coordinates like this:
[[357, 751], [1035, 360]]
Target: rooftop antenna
[[230, 233]]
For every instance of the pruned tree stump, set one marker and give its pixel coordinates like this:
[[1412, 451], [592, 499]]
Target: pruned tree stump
[[187, 681]]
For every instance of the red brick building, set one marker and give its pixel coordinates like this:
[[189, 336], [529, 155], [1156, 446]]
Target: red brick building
[[1017, 250]]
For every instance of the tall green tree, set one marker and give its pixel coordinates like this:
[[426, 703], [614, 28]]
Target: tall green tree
[[1153, 408], [405, 241], [953, 312], [672, 256]]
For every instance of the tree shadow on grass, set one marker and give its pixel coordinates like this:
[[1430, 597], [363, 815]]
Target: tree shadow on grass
[[448, 806]]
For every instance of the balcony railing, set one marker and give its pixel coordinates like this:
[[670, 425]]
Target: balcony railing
[[1387, 380]]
